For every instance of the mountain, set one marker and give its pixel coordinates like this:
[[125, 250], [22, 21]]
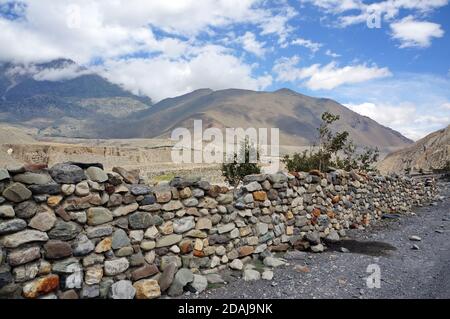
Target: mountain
[[295, 114], [433, 151], [61, 98]]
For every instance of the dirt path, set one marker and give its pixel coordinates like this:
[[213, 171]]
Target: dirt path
[[404, 272]]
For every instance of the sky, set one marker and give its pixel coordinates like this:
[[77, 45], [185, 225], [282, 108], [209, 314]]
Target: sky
[[386, 59]]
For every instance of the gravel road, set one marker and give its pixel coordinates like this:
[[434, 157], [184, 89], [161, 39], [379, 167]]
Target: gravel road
[[405, 272]]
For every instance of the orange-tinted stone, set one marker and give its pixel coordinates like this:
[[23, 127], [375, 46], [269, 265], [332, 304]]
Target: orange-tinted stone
[[245, 251], [41, 286], [316, 212], [185, 246], [198, 253], [260, 196], [336, 199], [331, 214]]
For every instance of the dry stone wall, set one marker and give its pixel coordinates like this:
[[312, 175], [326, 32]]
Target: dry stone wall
[[75, 231]]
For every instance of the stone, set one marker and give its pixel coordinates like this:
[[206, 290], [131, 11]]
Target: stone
[[245, 251], [41, 286], [260, 196], [17, 193], [67, 174], [69, 294], [185, 193], [199, 284], [183, 225], [224, 199], [295, 255], [4, 175], [333, 236], [124, 251], [31, 178], [139, 189], [23, 237], [147, 289], [415, 238], [117, 266], [273, 262], [96, 174], [251, 275], [67, 189], [23, 256], [56, 249], [54, 201], [98, 216], [125, 210], [167, 276], [93, 275], [344, 250], [7, 211], [204, 224], [12, 226], [123, 289], [317, 248], [43, 221], [182, 278], [141, 220], [120, 239], [104, 245], [163, 195], [89, 292], [148, 245], [190, 202], [215, 279], [74, 280], [151, 232], [136, 236], [267, 275], [64, 230], [172, 205], [261, 229], [236, 264], [253, 186], [67, 266], [144, 272], [82, 189], [313, 238], [93, 259], [129, 176], [82, 246], [168, 240], [226, 228]]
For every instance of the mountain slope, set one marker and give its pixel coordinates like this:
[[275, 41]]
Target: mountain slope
[[295, 114], [433, 151]]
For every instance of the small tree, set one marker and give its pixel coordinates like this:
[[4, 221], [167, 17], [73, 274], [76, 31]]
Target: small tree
[[241, 164]]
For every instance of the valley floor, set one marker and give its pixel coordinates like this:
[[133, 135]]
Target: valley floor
[[405, 272]]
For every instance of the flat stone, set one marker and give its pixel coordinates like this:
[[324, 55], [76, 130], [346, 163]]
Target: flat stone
[[168, 240], [199, 284], [122, 289], [190, 202], [251, 275], [245, 251], [64, 230], [7, 211], [415, 238], [273, 262], [69, 294], [167, 276], [183, 225], [26, 272], [317, 248], [68, 189], [104, 245], [253, 186], [98, 216], [99, 231], [204, 223], [117, 266], [56, 249], [147, 289], [4, 175], [142, 220], [182, 278], [23, 256], [82, 246], [163, 194], [129, 176], [67, 266], [93, 275], [28, 209], [267, 275], [12, 226], [31, 178], [41, 286], [144, 272], [236, 264], [120, 239], [23, 237], [125, 210], [226, 228], [17, 193], [172, 205], [43, 221], [96, 174], [138, 189], [224, 199], [89, 292], [261, 229], [64, 173], [215, 279], [82, 189]]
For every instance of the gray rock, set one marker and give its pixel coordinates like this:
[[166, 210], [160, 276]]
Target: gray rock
[[7, 211], [215, 279], [46, 189], [236, 264], [182, 278], [26, 272], [43, 221], [67, 174], [31, 178], [28, 209], [199, 284], [333, 236], [67, 266], [167, 276], [183, 225], [99, 231], [415, 238], [82, 246], [313, 238], [17, 193], [89, 292], [64, 230], [23, 237], [224, 199], [251, 275], [253, 186], [261, 228], [12, 226], [120, 239], [168, 240], [295, 255], [267, 275], [317, 248], [190, 202], [226, 228], [117, 266], [98, 216], [96, 174], [273, 262], [23, 256], [172, 205], [125, 210], [4, 175], [138, 189], [122, 289]]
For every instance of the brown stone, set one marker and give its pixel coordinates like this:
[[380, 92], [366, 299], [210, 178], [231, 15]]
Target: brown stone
[[34, 167], [147, 289], [144, 272], [245, 251], [61, 212], [316, 212], [260, 196], [280, 247], [69, 294], [315, 172], [331, 214], [56, 249], [104, 245], [54, 201], [23, 256], [186, 246], [336, 199], [198, 253], [41, 286]]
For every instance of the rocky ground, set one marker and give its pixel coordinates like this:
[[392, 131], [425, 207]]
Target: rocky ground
[[409, 268]]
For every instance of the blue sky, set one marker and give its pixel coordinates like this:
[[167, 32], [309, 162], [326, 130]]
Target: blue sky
[[397, 72]]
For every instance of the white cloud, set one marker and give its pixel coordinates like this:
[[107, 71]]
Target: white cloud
[[212, 67], [445, 106], [412, 33], [313, 46], [251, 44], [67, 72], [327, 77], [332, 54]]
